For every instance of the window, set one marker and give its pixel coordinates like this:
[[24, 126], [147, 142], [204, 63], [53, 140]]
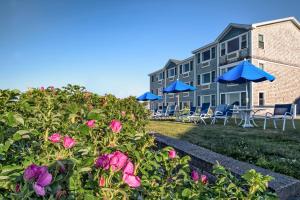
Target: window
[[192, 83], [191, 65], [213, 76], [233, 98], [198, 57], [152, 78], [160, 76], [206, 55], [205, 99], [222, 71], [223, 50], [223, 98], [186, 68], [186, 94], [213, 52], [175, 71], [171, 72], [244, 42], [198, 80], [261, 99], [233, 45], [198, 101], [243, 99], [213, 100], [261, 66], [261, 43], [160, 92], [205, 78], [171, 96], [180, 69]]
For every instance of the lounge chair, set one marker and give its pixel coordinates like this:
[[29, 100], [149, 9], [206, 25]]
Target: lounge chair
[[205, 113], [186, 116], [161, 114], [171, 111], [281, 112], [222, 111]]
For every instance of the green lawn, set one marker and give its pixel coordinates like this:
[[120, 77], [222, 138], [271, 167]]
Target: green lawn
[[271, 148]]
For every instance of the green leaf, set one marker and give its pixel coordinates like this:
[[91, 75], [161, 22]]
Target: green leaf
[[186, 192]]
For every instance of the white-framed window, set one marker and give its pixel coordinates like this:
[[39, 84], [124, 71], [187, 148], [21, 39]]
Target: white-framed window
[[171, 72], [244, 41], [171, 96], [261, 98], [213, 52], [161, 76], [160, 91], [205, 78], [261, 66], [186, 67], [198, 57], [233, 97], [261, 42], [234, 44], [205, 55], [198, 79], [205, 99]]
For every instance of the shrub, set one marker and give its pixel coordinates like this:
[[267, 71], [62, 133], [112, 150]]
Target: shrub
[[72, 144]]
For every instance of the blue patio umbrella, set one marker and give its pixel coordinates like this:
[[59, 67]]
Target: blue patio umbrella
[[177, 87], [148, 96], [245, 72]]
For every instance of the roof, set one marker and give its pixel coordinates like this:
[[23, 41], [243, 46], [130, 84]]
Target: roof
[[292, 19], [170, 60]]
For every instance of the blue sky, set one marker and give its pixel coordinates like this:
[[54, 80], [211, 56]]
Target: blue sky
[[111, 46]]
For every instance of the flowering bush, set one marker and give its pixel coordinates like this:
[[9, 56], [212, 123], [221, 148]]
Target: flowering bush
[[72, 144]]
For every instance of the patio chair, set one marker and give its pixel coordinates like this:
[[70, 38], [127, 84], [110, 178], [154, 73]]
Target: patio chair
[[161, 114], [187, 116], [171, 111], [205, 113], [281, 112], [222, 111]]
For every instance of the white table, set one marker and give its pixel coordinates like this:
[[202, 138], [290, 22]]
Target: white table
[[246, 116]]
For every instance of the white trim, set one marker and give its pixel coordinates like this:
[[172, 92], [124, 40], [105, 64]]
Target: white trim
[[240, 43], [186, 74], [240, 96], [171, 96], [286, 65], [201, 79], [170, 70], [293, 19], [185, 94]]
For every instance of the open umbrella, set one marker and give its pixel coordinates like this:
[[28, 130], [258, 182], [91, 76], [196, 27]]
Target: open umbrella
[[245, 72], [148, 96], [177, 87]]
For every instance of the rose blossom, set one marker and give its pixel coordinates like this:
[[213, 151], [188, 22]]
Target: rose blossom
[[54, 137], [115, 126], [129, 168], [68, 142], [31, 172], [172, 154], [90, 123], [204, 179], [103, 161], [195, 175], [132, 180], [118, 160]]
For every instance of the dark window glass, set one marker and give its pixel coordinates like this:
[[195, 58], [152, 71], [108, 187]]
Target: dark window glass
[[152, 78], [213, 76], [261, 43], [206, 78], [243, 98], [198, 57], [175, 71], [261, 101], [233, 45], [198, 80], [192, 83], [180, 69], [160, 76], [163, 75], [261, 66], [213, 100], [213, 52], [191, 65], [223, 50], [223, 99], [186, 67], [206, 55], [244, 42], [198, 101]]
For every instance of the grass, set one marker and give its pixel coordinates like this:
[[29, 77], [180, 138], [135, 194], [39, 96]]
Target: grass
[[272, 149]]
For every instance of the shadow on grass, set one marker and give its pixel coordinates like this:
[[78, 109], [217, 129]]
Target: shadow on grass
[[271, 148]]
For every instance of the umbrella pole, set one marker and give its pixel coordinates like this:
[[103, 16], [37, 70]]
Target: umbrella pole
[[247, 95]]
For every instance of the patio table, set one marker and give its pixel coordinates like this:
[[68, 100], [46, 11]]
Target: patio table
[[246, 116]]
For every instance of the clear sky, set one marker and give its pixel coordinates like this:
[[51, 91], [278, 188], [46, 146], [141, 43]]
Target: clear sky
[[111, 46]]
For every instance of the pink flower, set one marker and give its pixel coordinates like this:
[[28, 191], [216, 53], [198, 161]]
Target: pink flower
[[204, 179], [55, 137], [195, 175], [68, 142], [129, 168], [31, 172], [132, 180], [90, 123], [172, 154], [101, 181], [103, 161], [115, 126], [123, 113], [42, 88], [117, 161]]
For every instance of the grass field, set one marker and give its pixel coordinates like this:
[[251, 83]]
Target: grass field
[[271, 148]]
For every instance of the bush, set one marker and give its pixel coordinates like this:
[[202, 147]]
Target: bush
[[72, 144]]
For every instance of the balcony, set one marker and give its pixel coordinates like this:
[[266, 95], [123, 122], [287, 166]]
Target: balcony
[[234, 56]]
